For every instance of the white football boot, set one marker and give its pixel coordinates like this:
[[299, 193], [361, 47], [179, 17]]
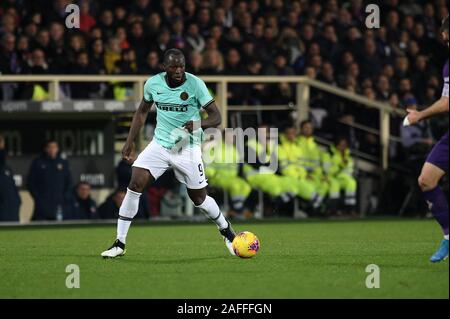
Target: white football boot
[[228, 236], [116, 250]]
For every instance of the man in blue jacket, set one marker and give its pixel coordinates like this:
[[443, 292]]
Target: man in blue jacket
[[81, 205], [9, 195], [49, 182]]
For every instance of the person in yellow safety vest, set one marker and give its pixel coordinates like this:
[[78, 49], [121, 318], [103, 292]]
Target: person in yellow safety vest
[[39, 93], [290, 155], [343, 170], [334, 189], [261, 167], [311, 158], [222, 161]]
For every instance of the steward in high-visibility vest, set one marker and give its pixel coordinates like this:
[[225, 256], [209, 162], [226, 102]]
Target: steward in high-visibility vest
[[343, 170], [290, 155], [334, 189], [222, 162], [261, 168], [311, 158]]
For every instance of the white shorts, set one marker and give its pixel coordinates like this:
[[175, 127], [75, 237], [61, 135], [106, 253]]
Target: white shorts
[[187, 164]]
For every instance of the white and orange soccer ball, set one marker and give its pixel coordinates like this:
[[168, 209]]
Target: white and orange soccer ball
[[246, 244]]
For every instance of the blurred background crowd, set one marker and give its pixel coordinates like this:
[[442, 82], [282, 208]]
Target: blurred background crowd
[[399, 63]]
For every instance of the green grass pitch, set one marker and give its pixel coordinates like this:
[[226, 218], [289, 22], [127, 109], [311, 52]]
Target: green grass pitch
[[312, 259]]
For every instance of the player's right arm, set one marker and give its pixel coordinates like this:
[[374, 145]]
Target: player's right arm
[[138, 122], [440, 106]]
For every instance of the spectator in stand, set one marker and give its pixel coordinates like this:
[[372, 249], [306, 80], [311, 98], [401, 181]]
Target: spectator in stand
[[87, 21], [83, 90], [81, 205], [194, 65], [213, 63], [152, 64], [383, 88], [195, 41], [324, 40], [49, 183], [110, 208], [9, 194]]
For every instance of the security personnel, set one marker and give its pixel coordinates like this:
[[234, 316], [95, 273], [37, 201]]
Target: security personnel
[[333, 186], [223, 160], [260, 168], [9, 195], [311, 158], [81, 205], [290, 155], [343, 170], [49, 182]]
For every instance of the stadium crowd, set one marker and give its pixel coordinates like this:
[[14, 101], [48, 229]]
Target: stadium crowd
[[398, 63], [325, 40]]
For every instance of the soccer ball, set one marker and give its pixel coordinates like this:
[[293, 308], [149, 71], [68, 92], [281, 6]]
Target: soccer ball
[[246, 244]]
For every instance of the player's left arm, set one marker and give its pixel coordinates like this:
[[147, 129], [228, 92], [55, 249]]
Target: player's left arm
[[213, 120]]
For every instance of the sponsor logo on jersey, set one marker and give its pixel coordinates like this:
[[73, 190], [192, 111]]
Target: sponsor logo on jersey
[[171, 107]]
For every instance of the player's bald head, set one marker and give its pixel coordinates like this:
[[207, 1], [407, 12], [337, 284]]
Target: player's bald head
[[173, 55], [174, 65]]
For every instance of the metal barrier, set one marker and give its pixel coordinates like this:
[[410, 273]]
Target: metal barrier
[[303, 85]]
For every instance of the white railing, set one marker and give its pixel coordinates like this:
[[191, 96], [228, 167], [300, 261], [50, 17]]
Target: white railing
[[302, 83]]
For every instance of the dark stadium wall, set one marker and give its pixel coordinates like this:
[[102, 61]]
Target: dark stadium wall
[[88, 145]]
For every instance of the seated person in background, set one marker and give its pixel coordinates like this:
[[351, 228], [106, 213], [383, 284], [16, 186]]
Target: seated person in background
[[9, 195], [342, 171], [289, 155], [260, 169], [311, 158], [110, 208], [416, 139], [222, 170], [81, 205]]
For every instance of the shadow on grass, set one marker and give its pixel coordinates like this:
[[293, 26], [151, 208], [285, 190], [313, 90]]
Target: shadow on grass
[[172, 261]]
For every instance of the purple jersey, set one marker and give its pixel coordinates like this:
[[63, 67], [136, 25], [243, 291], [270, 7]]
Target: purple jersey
[[445, 76], [439, 154]]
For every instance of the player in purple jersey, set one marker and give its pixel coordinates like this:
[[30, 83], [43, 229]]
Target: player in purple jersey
[[436, 165]]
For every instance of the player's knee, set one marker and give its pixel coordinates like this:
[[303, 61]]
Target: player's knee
[[426, 183], [198, 199], [136, 186]]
